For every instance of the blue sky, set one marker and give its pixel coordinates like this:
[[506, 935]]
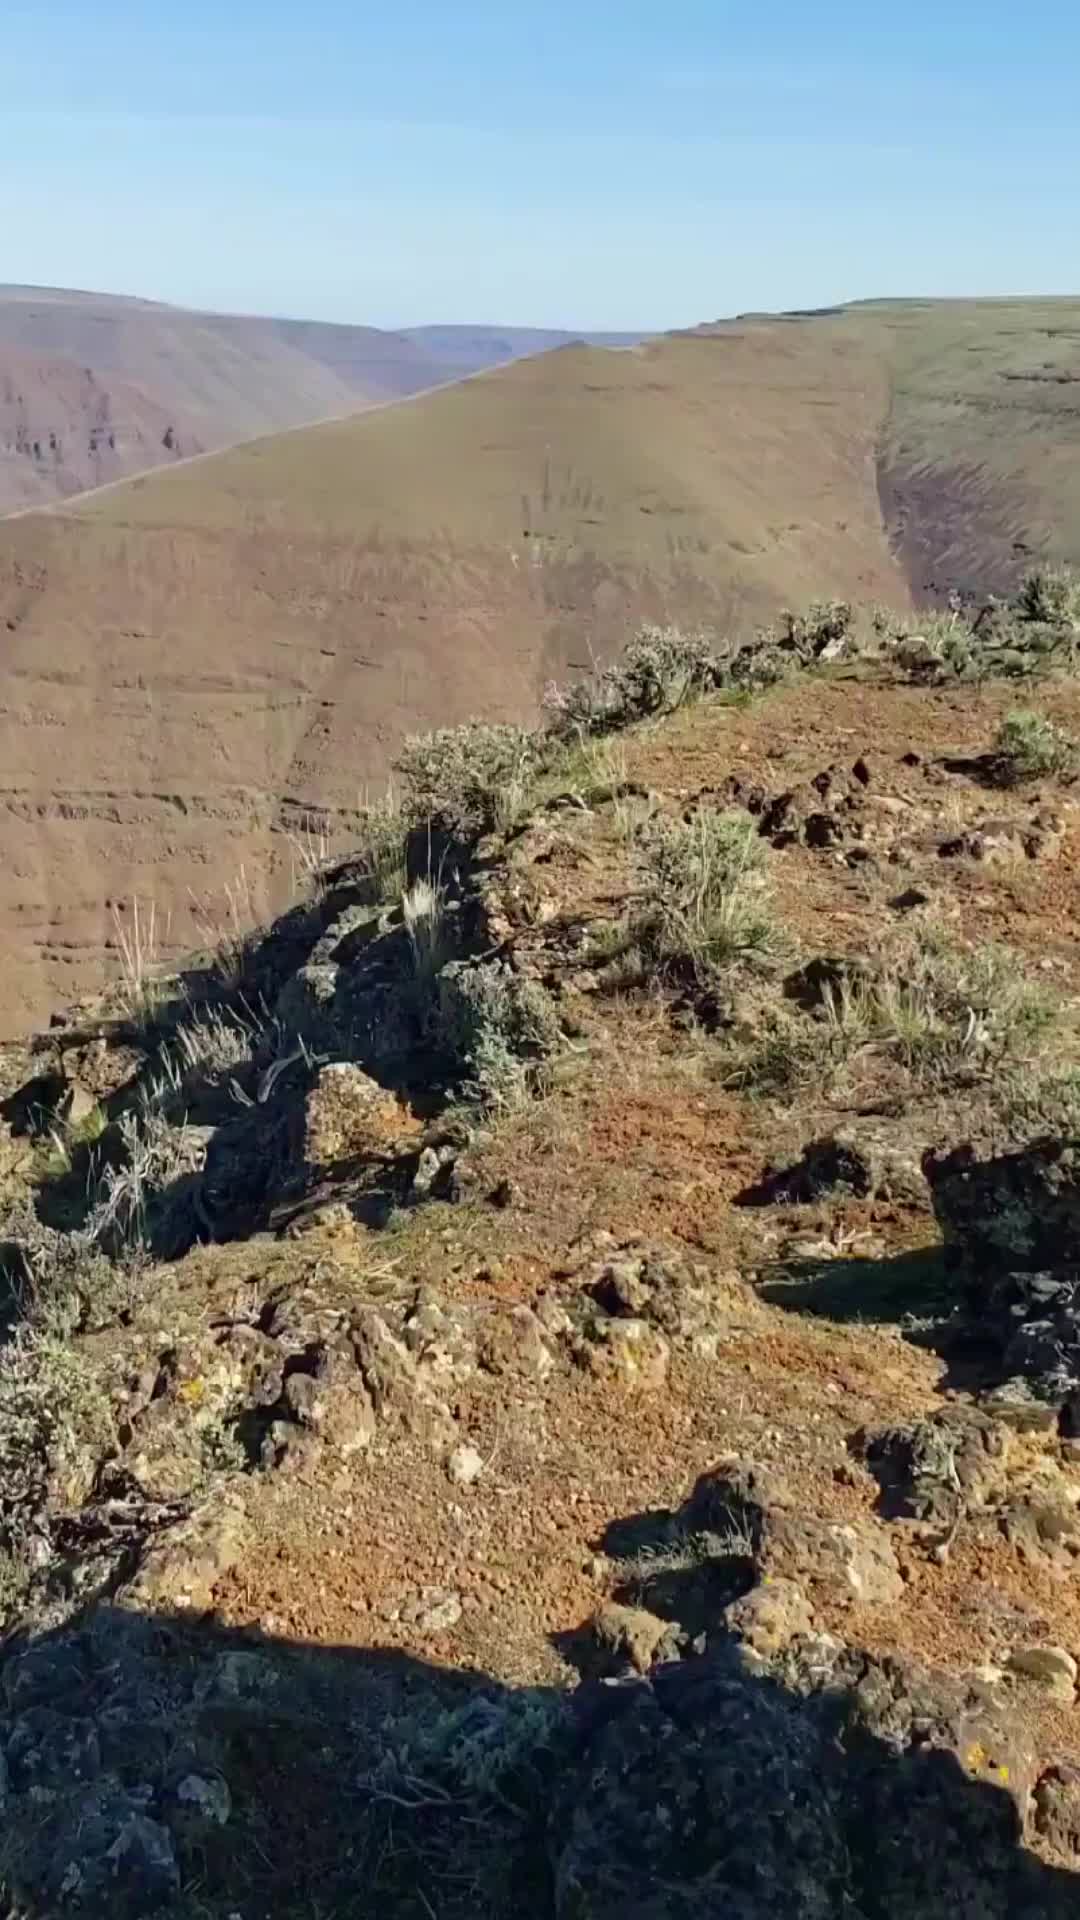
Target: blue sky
[[603, 164]]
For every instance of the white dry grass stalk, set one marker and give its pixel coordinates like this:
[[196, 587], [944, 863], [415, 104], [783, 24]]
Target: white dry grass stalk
[[225, 933], [310, 845], [138, 944], [424, 912]]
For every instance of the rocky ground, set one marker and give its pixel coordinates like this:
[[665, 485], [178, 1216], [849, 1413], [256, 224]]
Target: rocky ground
[[559, 1397]]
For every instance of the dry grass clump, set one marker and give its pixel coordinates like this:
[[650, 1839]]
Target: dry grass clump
[[709, 891], [229, 931], [947, 1012], [423, 910], [949, 1015], [214, 1041], [142, 989], [381, 847]]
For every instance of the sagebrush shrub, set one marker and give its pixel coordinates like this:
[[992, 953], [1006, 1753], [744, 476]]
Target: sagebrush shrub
[[660, 671], [497, 1025], [55, 1423], [825, 627], [467, 779], [1028, 746], [1050, 596], [1033, 1105]]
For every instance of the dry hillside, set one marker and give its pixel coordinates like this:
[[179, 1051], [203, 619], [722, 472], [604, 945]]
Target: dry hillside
[[243, 642], [94, 387], [544, 1384]]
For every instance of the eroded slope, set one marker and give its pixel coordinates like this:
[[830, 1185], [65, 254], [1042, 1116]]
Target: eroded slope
[[249, 638]]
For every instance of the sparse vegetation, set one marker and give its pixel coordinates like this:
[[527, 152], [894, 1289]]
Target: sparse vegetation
[[709, 880], [466, 780], [441, 1006], [380, 846], [948, 1014], [1029, 747], [499, 1026], [782, 1051], [423, 910], [661, 669], [141, 990]]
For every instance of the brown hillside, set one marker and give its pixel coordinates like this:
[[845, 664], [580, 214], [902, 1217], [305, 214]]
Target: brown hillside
[[65, 428], [94, 387], [197, 658]]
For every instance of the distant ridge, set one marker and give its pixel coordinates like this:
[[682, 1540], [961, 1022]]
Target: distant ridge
[[94, 387]]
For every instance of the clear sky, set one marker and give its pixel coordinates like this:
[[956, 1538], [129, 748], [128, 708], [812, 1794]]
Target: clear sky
[[604, 164]]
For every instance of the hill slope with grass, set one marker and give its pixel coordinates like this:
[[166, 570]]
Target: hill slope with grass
[[248, 639], [543, 1381], [95, 387]]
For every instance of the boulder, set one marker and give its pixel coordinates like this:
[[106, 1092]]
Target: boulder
[[701, 1800], [705, 1792], [349, 1116], [1017, 1211], [1056, 1806], [935, 1468]]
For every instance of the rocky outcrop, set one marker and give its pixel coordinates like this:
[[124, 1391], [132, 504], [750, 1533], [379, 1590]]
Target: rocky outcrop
[[1011, 1224], [870, 1788]]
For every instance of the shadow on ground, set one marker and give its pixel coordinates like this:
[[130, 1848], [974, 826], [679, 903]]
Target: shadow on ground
[[915, 1291], [164, 1765], [903, 1289]]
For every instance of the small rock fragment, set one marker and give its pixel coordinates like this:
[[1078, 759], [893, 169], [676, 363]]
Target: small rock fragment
[[464, 1466], [433, 1610], [770, 1615], [632, 1632], [207, 1798], [1054, 1667]]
